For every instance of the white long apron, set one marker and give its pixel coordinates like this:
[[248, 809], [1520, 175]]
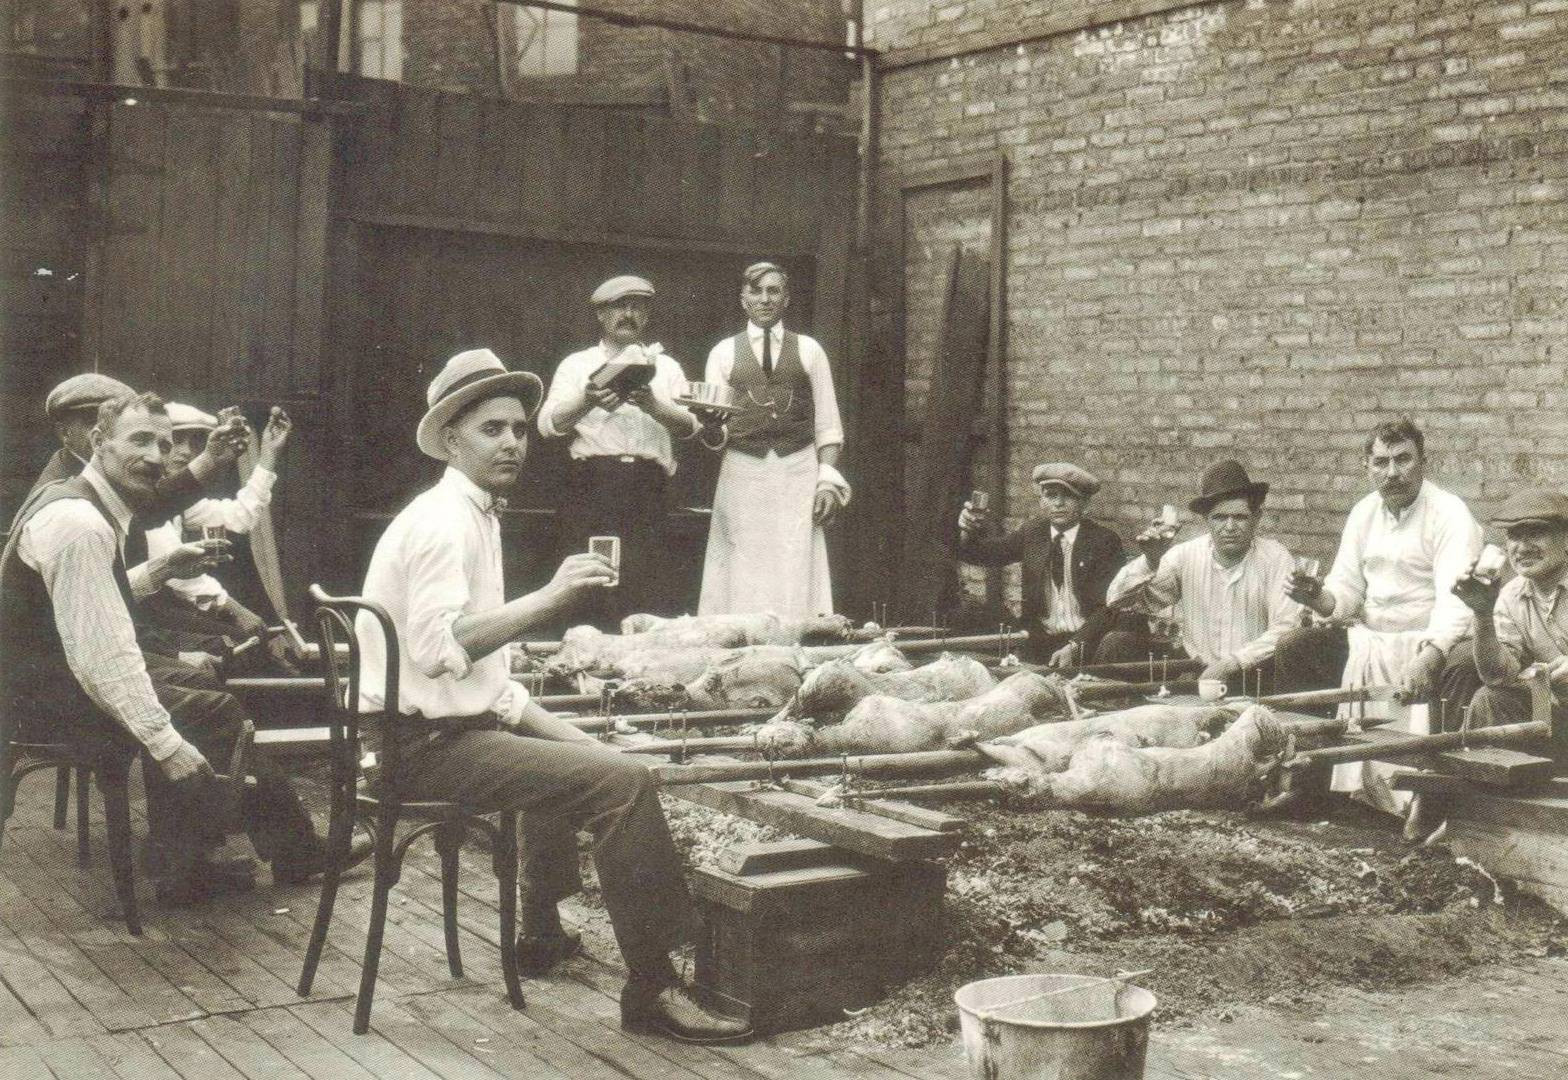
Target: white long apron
[[764, 553], [1380, 658]]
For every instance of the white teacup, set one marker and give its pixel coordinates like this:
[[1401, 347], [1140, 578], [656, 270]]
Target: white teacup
[[1211, 689]]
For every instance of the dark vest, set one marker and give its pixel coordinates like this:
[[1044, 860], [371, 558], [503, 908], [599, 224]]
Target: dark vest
[[37, 687], [780, 412]]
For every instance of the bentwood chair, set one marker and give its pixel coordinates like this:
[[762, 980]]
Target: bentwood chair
[[384, 809], [20, 754]]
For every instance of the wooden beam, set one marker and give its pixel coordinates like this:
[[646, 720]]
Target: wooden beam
[[1497, 766], [859, 831], [166, 95], [555, 234]]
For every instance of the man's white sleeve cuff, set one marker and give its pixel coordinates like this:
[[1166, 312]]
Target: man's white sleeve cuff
[[833, 480], [163, 743]]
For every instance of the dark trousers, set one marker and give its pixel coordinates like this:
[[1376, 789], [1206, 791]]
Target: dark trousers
[[1314, 658], [561, 788], [609, 496], [181, 821]]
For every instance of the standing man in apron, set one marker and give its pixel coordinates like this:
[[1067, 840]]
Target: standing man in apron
[[1391, 596], [778, 484]]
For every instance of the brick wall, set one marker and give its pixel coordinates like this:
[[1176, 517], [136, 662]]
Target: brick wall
[[1255, 228]]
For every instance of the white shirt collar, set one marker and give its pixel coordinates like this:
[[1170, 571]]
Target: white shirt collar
[[1068, 534], [754, 331], [118, 510], [1546, 593], [461, 482], [1401, 516]]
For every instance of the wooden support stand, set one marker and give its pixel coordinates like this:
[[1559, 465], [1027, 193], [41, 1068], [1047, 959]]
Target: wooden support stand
[[801, 931]]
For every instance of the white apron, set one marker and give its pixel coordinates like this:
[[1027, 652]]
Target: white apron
[[1380, 658], [764, 553]]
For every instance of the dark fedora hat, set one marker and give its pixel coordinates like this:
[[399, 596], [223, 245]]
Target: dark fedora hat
[[1226, 480]]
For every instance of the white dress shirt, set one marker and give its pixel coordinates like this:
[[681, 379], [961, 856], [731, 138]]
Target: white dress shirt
[[1395, 573], [829, 428], [439, 559], [237, 515], [1237, 612], [1061, 605], [73, 549], [627, 431]]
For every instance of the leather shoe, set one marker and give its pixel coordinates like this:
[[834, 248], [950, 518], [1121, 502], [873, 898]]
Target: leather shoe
[[302, 864], [203, 879], [538, 953], [670, 1009]]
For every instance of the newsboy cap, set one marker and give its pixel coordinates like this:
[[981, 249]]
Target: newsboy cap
[[183, 417], [1532, 506], [1080, 482], [86, 391], [620, 287]]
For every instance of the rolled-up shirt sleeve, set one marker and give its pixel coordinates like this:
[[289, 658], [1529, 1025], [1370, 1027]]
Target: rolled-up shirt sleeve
[[1507, 615], [829, 427], [1458, 542], [240, 513], [1134, 588], [567, 386], [1284, 613], [437, 595], [73, 549], [1346, 581]]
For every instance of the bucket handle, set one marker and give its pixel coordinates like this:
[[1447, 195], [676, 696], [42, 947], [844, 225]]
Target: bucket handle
[[1119, 977]]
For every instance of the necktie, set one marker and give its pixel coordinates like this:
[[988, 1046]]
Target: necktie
[[136, 542], [767, 353], [1058, 568]]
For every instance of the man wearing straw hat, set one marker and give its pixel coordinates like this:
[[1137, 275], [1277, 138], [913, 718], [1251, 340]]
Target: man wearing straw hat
[[1524, 622], [621, 451], [779, 482], [1228, 585], [437, 571]]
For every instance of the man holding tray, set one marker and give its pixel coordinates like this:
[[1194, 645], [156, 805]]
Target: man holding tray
[[778, 485], [616, 400]]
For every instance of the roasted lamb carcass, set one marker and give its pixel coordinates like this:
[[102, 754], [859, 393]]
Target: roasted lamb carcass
[[1107, 773], [1049, 747], [732, 631], [886, 725], [830, 690]]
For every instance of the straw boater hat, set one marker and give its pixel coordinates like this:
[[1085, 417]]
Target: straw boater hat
[[86, 391], [470, 376], [187, 417], [1226, 480]]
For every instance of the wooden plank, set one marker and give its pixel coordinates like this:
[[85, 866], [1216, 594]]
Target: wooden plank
[[459, 128], [43, 993], [273, 375], [250, 356], [1546, 811], [543, 167], [304, 1047], [946, 444], [1497, 766], [734, 204], [585, 146], [188, 1054], [313, 189], [1536, 859], [24, 1063], [333, 1021], [127, 310], [132, 1058], [669, 145], [232, 1039], [231, 192], [852, 830], [184, 357], [491, 1045], [919, 816]]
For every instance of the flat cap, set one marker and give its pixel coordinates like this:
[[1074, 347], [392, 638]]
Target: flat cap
[[86, 391], [182, 417], [1080, 482], [1532, 506], [619, 287]]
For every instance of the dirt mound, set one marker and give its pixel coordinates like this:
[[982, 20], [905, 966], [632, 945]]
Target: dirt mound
[[1226, 910]]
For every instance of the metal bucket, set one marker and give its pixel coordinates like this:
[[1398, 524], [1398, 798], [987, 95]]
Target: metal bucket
[[1099, 1032]]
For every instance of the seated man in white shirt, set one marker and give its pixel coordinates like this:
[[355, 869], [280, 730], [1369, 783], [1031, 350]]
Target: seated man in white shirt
[[197, 609], [1228, 585], [621, 452], [1396, 620], [484, 742], [74, 671]]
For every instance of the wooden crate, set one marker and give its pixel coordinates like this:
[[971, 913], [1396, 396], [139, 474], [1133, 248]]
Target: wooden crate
[[804, 931]]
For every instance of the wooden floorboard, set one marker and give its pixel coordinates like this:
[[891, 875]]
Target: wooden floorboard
[[208, 993]]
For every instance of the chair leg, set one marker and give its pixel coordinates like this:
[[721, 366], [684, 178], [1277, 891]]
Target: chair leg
[[114, 783], [340, 832], [83, 816], [449, 843], [7, 781], [506, 876], [62, 795], [386, 877]]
